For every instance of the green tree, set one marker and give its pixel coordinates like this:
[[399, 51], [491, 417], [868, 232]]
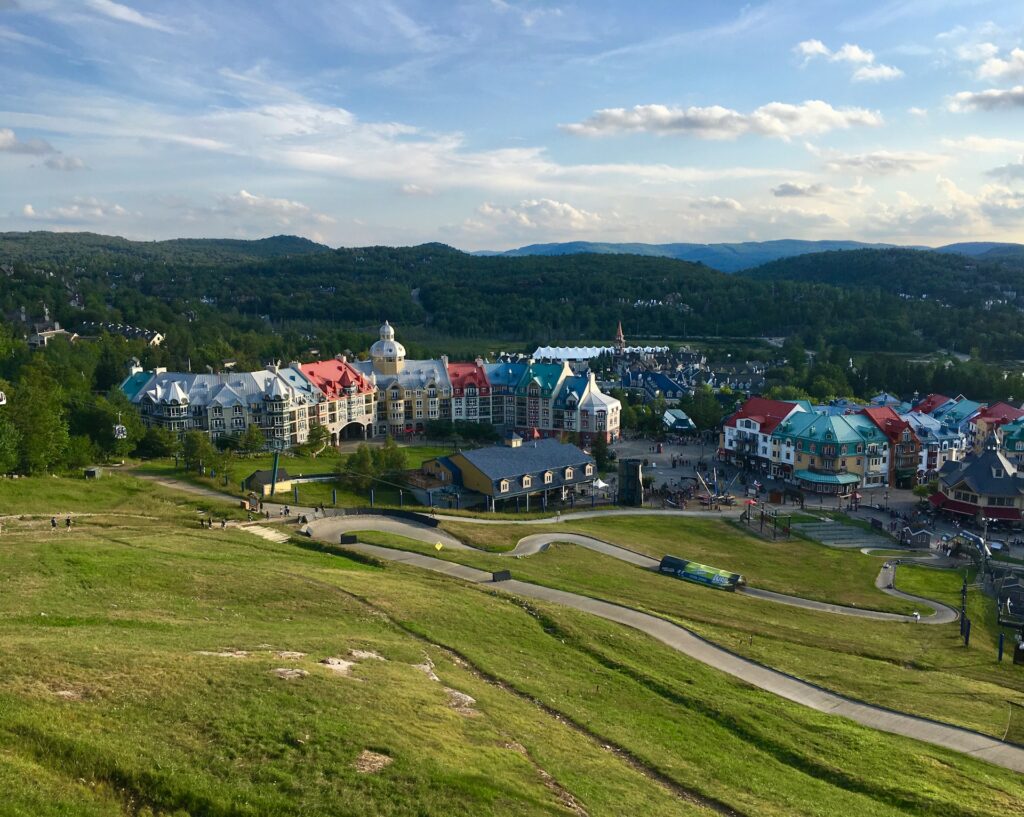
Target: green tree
[[390, 458], [319, 438], [253, 440], [358, 468], [37, 411], [10, 439], [158, 442], [197, 451], [599, 451]]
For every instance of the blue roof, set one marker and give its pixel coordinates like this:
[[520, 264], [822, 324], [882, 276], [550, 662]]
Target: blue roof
[[576, 385], [135, 383], [502, 462], [504, 374]]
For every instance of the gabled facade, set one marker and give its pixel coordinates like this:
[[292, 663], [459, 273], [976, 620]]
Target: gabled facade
[[991, 418], [832, 454], [349, 404], [904, 446], [746, 437], [471, 392], [985, 486]]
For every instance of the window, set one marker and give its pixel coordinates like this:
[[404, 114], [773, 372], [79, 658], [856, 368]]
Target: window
[[568, 473], [548, 477], [527, 481], [589, 470]]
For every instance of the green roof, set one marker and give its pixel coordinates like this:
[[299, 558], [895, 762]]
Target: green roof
[[827, 479], [546, 374]]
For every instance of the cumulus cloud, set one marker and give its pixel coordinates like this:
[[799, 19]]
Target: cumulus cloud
[[126, 14], [914, 111], [716, 203], [882, 162], [998, 68], [415, 190], [62, 162], [989, 100], [9, 143], [282, 212], [536, 215], [1010, 171], [975, 52], [79, 210], [798, 190], [778, 119], [868, 70]]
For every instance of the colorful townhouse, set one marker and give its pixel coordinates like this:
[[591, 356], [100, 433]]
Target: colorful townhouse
[[904, 446], [348, 406], [984, 488], [471, 392], [939, 443], [832, 454], [746, 437], [410, 393], [281, 402], [991, 418], [1011, 441]]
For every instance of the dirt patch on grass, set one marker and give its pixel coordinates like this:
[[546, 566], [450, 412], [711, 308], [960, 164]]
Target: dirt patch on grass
[[289, 673], [224, 653], [338, 665], [366, 655], [371, 762], [427, 668], [461, 702], [290, 655]]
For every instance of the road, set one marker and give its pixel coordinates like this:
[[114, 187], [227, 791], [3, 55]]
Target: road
[[683, 641]]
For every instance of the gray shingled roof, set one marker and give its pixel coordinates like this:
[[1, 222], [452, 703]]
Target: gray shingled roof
[[978, 473], [503, 462]]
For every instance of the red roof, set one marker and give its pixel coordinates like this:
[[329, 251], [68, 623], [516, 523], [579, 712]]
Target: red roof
[[930, 403], [889, 422], [999, 414], [766, 413], [335, 377], [463, 375]]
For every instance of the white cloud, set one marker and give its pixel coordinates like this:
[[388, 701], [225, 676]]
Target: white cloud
[[534, 215], [415, 190], [989, 100], [868, 70], [9, 143], [779, 119], [998, 69], [1011, 170], [716, 203], [882, 162], [798, 190], [976, 52], [126, 14], [79, 210], [282, 212], [876, 73], [914, 111], [61, 162]]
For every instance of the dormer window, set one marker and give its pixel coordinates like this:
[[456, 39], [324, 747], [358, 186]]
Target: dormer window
[[589, 470], [527, 481], [998, 473], [548, 477], [503, 487], [568, 473]]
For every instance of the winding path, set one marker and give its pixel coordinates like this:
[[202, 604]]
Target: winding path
[[332, 527], [680, 639]]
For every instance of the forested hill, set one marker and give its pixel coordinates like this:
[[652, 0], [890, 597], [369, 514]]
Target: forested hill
[[70, 247], [724, 257], [952, 278], [213, 306]]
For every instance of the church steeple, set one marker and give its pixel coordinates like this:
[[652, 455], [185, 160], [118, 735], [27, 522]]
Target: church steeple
[[620, 340]]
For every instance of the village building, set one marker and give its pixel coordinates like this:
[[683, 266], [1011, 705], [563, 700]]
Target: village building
[[904, 446], [349, 405], [984, 488]]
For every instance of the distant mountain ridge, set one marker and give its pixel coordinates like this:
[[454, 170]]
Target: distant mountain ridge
[[733, 257]]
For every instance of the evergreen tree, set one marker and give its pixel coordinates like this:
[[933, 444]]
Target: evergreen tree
[[37, 411]]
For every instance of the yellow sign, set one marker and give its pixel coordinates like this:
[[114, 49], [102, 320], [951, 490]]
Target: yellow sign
[[438, 546]]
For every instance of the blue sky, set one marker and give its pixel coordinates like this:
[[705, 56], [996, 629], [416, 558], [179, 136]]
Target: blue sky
[[496, 123]]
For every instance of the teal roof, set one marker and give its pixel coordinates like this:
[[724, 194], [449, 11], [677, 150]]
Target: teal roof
[[135, 383], [866, 427], [546, 374], [820, 428], [827, 479], [959, 412]]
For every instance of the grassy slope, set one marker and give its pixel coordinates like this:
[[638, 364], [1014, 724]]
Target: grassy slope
[[918, 669], [107, 708]]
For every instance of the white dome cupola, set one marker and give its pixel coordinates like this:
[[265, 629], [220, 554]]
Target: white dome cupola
[[387, 353]]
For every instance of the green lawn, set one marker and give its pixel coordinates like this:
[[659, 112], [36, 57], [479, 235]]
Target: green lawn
[[309, 494], [111, 707], [914, 668]]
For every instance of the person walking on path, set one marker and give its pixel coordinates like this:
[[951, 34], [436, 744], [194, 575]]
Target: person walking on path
[[67, 524], [53, 524]]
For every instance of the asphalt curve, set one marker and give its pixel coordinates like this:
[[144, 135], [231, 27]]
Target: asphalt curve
[[678, 638]]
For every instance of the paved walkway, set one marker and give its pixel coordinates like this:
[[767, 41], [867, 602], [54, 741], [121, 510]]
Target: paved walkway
[[757, 675]]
